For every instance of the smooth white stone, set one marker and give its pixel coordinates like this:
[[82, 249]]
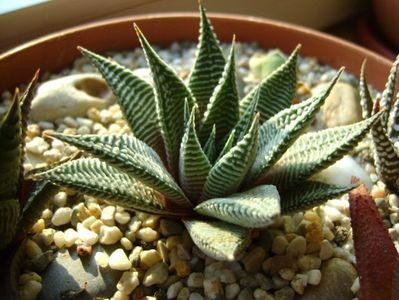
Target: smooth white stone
[[119, 261]]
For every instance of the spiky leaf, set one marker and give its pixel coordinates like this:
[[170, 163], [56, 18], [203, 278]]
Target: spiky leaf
[[254, 208], [228, 144], [389, 93], [171, 93], [132, 156], [135, 97], [228, 173], [279, 132], [9, 217], [96, 178], [210, 146], [314, 151], [220, 240], [10, 150], [393, 129], [366, 101], [208, 66], [308, 194], [194, 165], [222, 110], [276, 90]]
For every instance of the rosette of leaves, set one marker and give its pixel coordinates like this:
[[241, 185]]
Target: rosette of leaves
[[385, 131], [198, 152]]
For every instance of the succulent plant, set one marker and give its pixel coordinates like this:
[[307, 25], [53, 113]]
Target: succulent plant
[[384, 132], [198, 152]]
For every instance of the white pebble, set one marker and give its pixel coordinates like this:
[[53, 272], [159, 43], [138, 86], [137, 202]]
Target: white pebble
[[120, 296], [57, 144], [355, 286], [83, 130], [71, 122], [47, 214], [60, 199], [62, 216], [119, 261], [59, 239], [174, 289], [45, 125], [87, 236], [89, 221], [110, 235], [314, 276], [122, 217], [332, 213], [128, 282], [37, 145], [195, 296], [107, 215], [52, 155], [126, 243], [101, 259], [297, 247], [147, 234], [70, 236], [326, 250], [232, 290]]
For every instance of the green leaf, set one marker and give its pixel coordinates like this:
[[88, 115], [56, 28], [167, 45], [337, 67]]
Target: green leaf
[[279, 132], [227, 145], [10, 150], [208, 66], [132, 156], [393, 128], [386, 159], [194, 165], [228, 173], [308, 194], [254, 208], [96, 178], [388, 93], [39, 199], [171, 93], [222, 110], [276, 90], [9, 217], [217, 239], [210, 146], [366, 102], [314, 151], [135, 97]]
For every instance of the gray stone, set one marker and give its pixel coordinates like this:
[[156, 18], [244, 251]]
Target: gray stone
[[336, 281]]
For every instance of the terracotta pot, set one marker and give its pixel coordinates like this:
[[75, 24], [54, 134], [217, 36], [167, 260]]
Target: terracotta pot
[[387, 15], [57, 51]]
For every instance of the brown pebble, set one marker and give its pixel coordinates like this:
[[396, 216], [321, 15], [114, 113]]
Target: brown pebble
[[84, 250], [314, 232], [182, 268]]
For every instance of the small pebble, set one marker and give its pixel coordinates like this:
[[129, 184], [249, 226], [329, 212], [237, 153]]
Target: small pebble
[[87, 236], [297, 247], [30, 290], [253, 260], [183, 294], [280, 244], [119, 261], [122, 217], [232, 290], [110, 235], [126, 243], [213, 289], [128, 282], [314, 276], [32, 249], [147, 234], [149, 258], [174, 289], [195, 280], [84, 250], [62, 216], [101, 259], [156, 274], [195, 296], [326, 250], [59, 239], [70, 236], [108, 215]]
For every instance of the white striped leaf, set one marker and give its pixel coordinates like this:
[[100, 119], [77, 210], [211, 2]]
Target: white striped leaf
[[135, 97], [132, 156], [228, 144], [389, 93], [229, 172], [210, 146], [217, 239], [9, 217], [96, 178], [222, 110], [366, 102], [194, 165], [278, 133], [314, 151], [393, 128], [208, 66], [386, 159], [171, 92], [276, 91], [308, 194], [255, 208]]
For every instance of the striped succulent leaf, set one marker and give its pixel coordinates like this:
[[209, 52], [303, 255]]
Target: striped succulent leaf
[[389, 93], [314, 151], [194, 165], [210, 146], [222, 110], [208, 66], [279, 132], [135, 97], [9, 217], [228, 173], [276, 91], [133, 157], [393, 128], [171, 92], [308, 194], [220, 240], [254, 208], [366, 101], [228, 144]]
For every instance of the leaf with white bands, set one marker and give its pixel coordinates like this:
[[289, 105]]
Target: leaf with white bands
[[222, 110], [315, 151], [255, 208], [9, 217], [393, 129], [210, 146], [276, 91], [229, 172], [366, 101], [385, 157], [194, 166], [208, 66], [132, 156], [389, 93], [217, 239], [308, 194], [227, 145], [98, 179], [278, 133], [135, 97], [170, 92]]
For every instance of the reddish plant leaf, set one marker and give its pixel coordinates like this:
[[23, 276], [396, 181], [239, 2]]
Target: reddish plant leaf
[[376, 255]]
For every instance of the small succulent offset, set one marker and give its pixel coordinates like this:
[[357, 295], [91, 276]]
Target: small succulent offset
[[384, 132], [197, 152]]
